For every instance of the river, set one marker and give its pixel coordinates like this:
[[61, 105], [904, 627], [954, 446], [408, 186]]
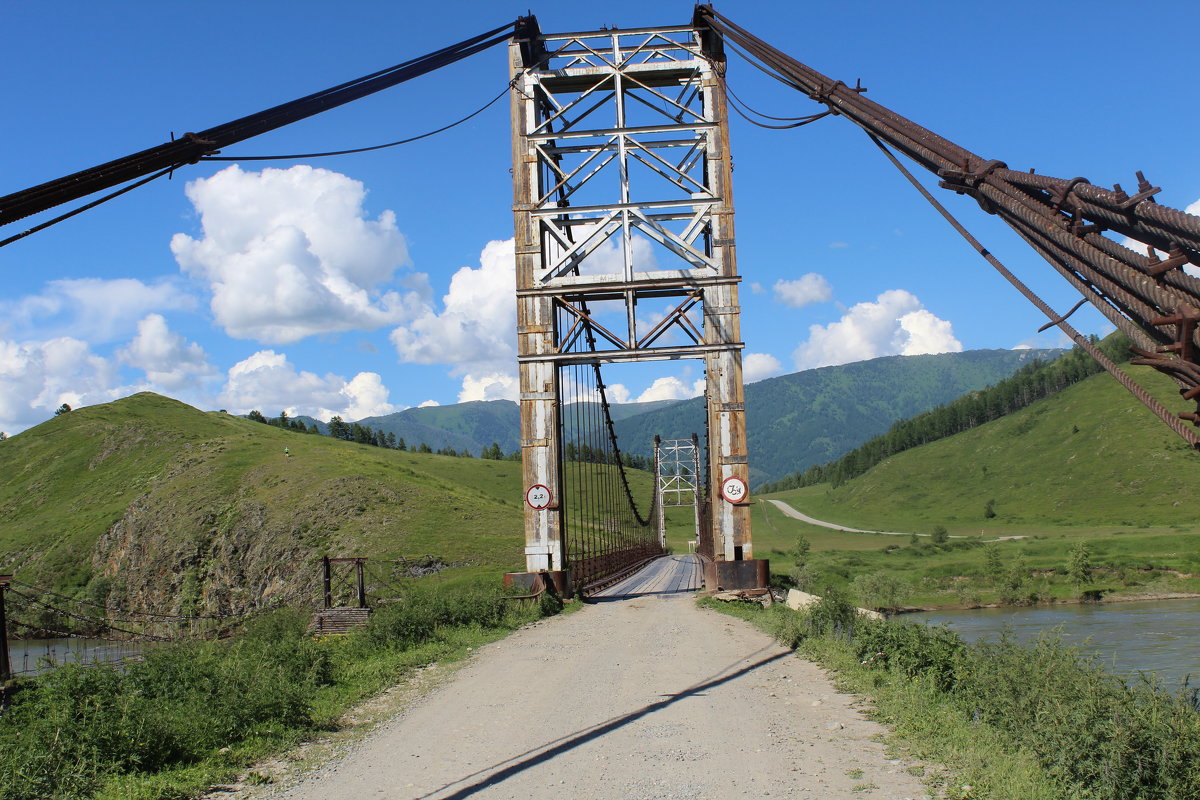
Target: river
[[1154, 636]]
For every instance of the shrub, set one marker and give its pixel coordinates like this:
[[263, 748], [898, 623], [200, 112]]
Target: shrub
[[881, 591]]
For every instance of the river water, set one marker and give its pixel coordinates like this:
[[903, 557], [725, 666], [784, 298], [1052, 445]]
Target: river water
[[1158, 636], [30, 656]]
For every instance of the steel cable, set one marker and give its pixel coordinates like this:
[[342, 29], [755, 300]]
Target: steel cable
[[191, 147], [1145, 297]]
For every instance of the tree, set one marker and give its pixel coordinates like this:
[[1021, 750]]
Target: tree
[[1080, 568], [283, 420], [424, 448], [802, 575], [993, 567], [989, 509], [940, 534], [256, 416], [338, 428], [401, 445], [801, 550], [391, 441], [63, 409]]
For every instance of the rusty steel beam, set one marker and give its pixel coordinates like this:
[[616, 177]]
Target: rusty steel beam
[[1147, 296]]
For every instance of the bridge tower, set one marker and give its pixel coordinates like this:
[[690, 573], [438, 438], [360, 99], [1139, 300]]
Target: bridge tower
[[623, 206], [677, 479]]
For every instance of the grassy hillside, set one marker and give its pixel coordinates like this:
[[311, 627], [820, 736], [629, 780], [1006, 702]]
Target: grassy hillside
[[149, 503], [814, 416], [1090, 455], [155, 500], [1089, 465]]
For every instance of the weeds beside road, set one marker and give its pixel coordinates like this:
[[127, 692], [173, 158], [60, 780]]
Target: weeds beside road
[[1016, 722], [190, 714]]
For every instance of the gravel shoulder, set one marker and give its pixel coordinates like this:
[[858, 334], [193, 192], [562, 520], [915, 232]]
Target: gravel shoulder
[[637, 699]]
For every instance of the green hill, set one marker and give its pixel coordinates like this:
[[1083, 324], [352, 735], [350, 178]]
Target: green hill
[[811, 417], [157, 505], [1088, 456]]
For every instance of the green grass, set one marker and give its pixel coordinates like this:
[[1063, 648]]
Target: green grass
[[192, 714]]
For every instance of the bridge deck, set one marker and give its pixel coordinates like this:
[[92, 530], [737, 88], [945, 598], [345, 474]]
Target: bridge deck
[[666, 575]]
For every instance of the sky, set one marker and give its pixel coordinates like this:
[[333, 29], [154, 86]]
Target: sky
[[362, 285]]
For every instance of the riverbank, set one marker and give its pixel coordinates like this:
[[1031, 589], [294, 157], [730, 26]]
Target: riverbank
[[191, 714], [991, 568], [1040, 722], [1143, 597]]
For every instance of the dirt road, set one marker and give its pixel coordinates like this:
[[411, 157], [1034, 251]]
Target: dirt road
[[638, 697], [789, 511]]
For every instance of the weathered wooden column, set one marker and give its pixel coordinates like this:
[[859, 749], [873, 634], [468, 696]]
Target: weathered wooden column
[[536, 335]]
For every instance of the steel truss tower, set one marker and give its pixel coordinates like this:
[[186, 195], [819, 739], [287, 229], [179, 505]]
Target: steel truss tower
[[625, 249], [677, 479]]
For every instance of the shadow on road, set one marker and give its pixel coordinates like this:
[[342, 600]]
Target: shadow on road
[[538, 755]]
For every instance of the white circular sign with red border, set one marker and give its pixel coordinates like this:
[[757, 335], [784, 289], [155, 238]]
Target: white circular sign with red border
[[733, 489], [538, 497]]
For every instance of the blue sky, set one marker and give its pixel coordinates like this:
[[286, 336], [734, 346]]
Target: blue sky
[[365, 284]]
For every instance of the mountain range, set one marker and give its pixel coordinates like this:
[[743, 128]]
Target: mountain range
[[793, 421]]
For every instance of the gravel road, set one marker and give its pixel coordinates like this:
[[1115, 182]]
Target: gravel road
[[640, 697]]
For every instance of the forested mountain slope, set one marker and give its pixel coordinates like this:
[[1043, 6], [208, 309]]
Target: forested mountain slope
[[810, 417]]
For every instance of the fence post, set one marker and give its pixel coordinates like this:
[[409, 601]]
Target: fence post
[[328, 583], [5, 666], [362, 588]]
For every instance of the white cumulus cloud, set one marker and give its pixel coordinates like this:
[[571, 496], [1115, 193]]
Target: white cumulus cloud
[[805, 290], [269, 382], [289, 253], [494, 386], [91, 309], [475, 331], [38, 377], [895, 324], [671, 388], [756, 366], [169, 361], [366, 396]]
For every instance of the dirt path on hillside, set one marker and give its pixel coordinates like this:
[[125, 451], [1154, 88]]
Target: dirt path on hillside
[[789, 511], [645, 696]]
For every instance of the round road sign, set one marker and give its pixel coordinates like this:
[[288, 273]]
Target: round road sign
[[538, 497], [733, 489]]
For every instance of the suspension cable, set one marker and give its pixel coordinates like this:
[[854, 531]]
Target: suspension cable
[[1062, 220], [191, 147], [1056, 319], [410, 139]]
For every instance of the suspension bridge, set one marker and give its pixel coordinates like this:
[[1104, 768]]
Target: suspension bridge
[[622, 136]]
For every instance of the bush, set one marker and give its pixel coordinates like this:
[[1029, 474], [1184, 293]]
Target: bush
[[1090, 730], [881, 591], [75, 728]]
